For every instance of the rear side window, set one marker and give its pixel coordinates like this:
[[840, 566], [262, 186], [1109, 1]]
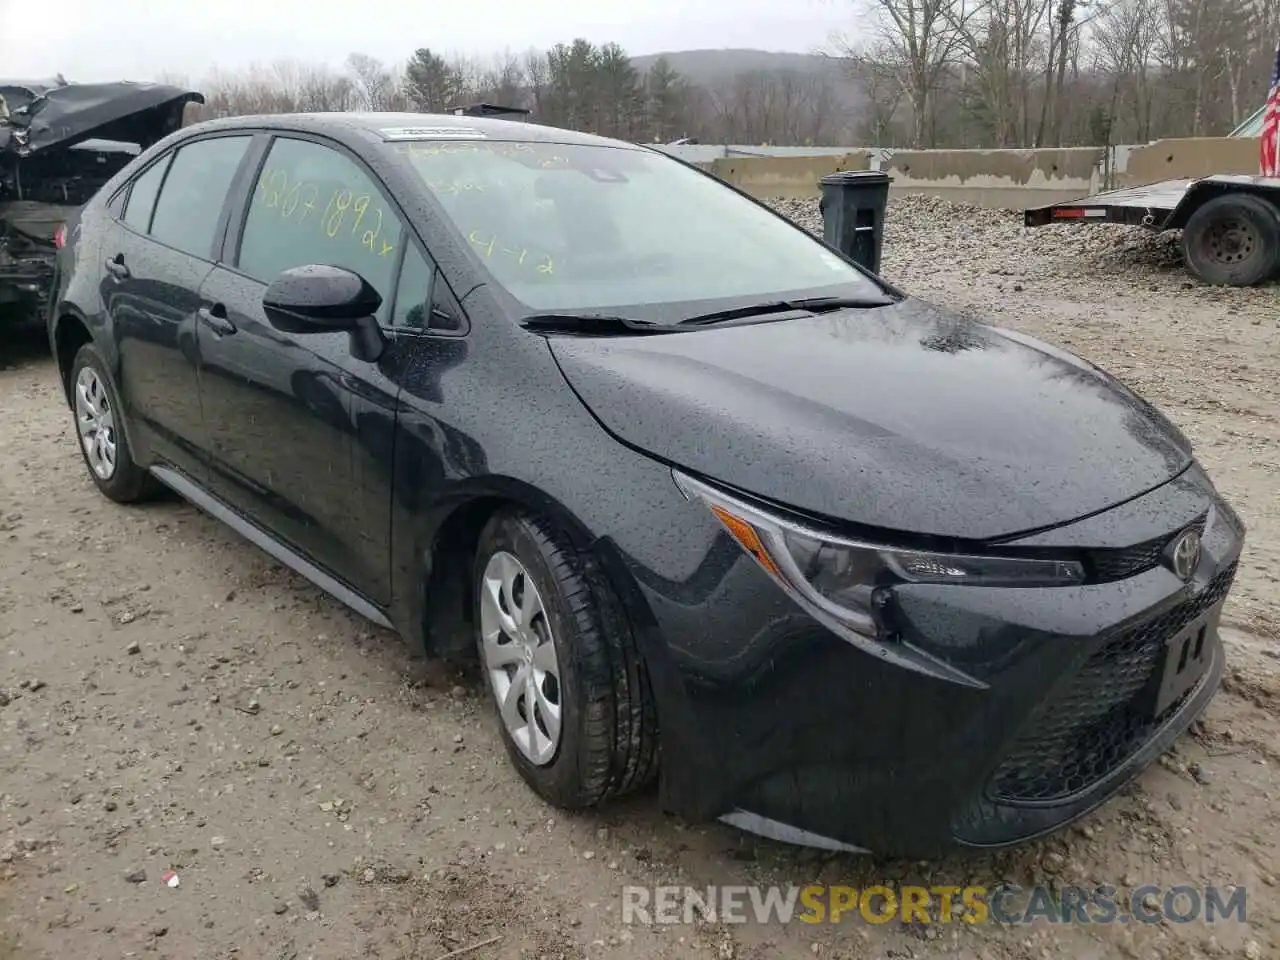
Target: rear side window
[[191, 201], [142, 196]]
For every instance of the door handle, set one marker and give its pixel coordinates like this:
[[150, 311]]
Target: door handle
[[215, 318], [116, 267]]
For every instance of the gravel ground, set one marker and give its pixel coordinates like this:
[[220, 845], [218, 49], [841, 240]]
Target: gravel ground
[[171, 699]]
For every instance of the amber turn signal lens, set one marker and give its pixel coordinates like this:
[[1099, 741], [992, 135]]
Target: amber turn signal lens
[[745, 534]]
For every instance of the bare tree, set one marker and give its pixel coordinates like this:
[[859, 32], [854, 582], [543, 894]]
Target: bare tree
[[375, 85], [537, 73], [1125, 43], [936, 73], [871, 70], [1001, 44], [920, 39], [502, 81], [1063, 27]]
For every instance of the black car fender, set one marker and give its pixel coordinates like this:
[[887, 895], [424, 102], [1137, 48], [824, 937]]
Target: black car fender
[[69, 329], [432, 594], [431, 583], [435, 605]]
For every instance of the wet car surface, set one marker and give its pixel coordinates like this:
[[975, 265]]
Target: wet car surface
[[860, 572]]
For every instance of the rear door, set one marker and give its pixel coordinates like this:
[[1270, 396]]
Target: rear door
[[287, 412], [157, 255]]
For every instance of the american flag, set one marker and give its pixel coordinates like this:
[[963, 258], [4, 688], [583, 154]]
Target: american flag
[[1271, 124]]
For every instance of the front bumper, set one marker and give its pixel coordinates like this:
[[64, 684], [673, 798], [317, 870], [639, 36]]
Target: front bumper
[[783, 727]]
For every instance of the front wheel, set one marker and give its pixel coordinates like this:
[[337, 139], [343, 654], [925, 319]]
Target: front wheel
[[572, 695], [1233, 240]]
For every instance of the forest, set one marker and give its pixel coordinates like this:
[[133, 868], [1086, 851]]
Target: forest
[[918, 73]]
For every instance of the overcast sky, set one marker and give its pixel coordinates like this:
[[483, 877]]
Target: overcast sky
[[139, 39]]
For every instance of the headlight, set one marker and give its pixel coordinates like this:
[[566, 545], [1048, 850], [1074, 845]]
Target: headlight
[[846, 580]]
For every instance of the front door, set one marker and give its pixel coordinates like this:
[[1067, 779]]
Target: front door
[[285, 412]]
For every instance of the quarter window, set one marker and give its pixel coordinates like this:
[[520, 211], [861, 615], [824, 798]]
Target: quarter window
[[413, 295], [115, 206], [194, 192], [142, 196], [313, 204]]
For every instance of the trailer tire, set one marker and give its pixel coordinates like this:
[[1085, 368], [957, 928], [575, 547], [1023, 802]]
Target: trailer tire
[[1233, 240]]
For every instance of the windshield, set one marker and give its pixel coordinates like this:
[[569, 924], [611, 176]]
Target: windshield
[[571, 227]]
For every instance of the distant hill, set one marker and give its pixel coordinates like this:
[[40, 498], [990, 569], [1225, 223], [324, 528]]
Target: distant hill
[[710, 67], [714, 69]]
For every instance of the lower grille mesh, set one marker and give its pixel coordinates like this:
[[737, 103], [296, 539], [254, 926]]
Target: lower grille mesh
[[1103, 715]]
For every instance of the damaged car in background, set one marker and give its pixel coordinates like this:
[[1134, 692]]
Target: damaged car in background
[[59, 142]]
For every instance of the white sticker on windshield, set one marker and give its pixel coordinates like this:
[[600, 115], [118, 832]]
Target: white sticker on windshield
[[834, 262], [432, 133]]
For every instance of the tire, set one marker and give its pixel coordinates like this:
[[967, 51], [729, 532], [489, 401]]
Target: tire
[[607, 742], [1233, 240], [92, 389]]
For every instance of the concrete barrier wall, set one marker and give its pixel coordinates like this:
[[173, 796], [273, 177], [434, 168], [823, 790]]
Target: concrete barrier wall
[[1009, 179], [789, 177], [1192, 157], [996, 178]]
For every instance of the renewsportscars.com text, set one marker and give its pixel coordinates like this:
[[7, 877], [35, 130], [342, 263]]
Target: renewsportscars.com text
[[1011, 905]]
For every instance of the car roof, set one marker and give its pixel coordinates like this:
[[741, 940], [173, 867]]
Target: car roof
[[412, 126]]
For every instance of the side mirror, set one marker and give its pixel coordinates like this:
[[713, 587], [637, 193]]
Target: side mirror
[[319, 298]]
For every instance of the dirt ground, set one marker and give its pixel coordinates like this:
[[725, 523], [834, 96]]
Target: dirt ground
[[172, 699]]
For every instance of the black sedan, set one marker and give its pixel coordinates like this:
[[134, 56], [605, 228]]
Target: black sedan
[[693, 487]]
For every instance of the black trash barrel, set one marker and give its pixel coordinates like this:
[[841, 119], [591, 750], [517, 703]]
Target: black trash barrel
[[853, 207]]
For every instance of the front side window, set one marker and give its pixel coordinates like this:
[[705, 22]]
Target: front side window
[[565, 227], [313, 204], [191, 200], [142, 196]]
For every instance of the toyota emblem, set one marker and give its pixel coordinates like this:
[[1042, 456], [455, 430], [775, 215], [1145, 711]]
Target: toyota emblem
[[1184, 555]]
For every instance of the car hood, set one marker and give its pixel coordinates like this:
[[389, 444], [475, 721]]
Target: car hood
[[904, 418], [46, 117]]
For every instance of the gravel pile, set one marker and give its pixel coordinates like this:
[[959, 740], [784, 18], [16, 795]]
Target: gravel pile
[[927, 233]]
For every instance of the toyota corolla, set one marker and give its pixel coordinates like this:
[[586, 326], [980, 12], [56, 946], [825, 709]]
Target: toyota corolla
[[707, 501]]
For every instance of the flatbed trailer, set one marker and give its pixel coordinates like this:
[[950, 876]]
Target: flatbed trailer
[[1230, 223]]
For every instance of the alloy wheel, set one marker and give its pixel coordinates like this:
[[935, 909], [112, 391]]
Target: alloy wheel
[[95, 421], [519, 655]]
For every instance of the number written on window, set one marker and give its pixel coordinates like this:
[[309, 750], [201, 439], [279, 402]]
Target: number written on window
[[313, 204], [298, 199]]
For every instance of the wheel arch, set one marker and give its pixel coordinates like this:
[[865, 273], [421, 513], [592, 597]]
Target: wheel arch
[[1202, 192], [437, 617], [70, 333]]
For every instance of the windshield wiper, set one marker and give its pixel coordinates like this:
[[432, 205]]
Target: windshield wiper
[[599, 324], [801, 304]]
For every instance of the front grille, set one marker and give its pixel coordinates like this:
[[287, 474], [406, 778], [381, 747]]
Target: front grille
[[1107, 565], [1103, 715]]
